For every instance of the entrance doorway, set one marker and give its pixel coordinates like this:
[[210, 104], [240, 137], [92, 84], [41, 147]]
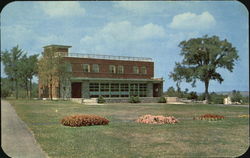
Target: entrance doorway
[[156, 90], [76, 90]]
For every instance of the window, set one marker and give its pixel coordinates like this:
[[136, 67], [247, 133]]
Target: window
[[134, 89], [104, 87], [124, 90], [95, 68], [86, 68], [94, 87], [144, 70], [124, 87], [112, 69], [143, 90], [135, 70], [120, 69], [114, 88]]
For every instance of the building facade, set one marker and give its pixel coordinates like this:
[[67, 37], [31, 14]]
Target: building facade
[[104, 75]]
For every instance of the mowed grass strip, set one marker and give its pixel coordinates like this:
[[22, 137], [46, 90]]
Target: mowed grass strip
[[123, 137]]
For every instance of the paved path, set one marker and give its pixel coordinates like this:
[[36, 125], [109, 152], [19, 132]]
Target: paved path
[[17, 139]]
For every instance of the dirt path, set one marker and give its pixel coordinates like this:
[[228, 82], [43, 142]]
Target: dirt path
[[17, 139]]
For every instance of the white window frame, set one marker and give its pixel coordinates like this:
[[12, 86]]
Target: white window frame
[[112, 69], [144, 70], [95, 68], [88, 70], [120, 69], [135, 69]]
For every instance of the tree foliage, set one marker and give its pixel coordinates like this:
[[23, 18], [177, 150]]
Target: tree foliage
[[236, 96], [11, 62], [53, 69], [5, 88], [202, 58], [28, 68], [215, 98], [20, 69]]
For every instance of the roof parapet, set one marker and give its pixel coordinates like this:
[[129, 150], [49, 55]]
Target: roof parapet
[[109, 57], [57, 46]]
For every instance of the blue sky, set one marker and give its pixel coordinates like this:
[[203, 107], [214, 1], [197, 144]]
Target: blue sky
[[140, 28]]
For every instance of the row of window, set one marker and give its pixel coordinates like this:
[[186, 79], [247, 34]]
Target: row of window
[[112, 69], [117, 90]]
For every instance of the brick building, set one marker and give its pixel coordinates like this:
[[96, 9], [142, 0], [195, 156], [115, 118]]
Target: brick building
[[109, 76]]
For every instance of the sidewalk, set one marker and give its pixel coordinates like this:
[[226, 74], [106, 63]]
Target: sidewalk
[[17, 139]]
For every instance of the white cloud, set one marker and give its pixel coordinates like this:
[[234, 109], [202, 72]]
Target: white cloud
[[63, 8], [15, 34], [121, 35], [193, 21], [140, 7]]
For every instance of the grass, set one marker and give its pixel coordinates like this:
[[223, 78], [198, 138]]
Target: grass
[[125, 138]]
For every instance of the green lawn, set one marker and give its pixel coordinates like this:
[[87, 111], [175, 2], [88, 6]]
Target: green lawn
[[125, 138]]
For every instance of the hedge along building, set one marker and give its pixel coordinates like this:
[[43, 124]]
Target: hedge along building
[[104, 75]]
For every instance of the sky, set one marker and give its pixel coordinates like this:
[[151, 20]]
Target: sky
[[127, 28]]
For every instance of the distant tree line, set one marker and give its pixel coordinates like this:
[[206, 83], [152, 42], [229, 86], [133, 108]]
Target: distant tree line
[[20, 70], [214, 98], [171, 92]]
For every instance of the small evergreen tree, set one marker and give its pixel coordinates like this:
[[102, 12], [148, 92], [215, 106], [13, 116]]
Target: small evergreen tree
[[101, 100]]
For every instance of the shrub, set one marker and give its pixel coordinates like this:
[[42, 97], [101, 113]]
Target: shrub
[[162, 100], [84, 120], [101, 99], [216, 98], [134, 99], [192, 96], [5, 92], [236, 96]]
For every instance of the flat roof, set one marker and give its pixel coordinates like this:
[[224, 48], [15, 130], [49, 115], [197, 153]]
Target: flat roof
[[109, 57], [55, 45]]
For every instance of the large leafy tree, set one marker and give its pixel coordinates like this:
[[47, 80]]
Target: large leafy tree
[[202, 58], [11, 62]]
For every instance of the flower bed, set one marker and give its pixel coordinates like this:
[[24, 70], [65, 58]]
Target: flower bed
[[150, 119], [210, 117], [84, 120]]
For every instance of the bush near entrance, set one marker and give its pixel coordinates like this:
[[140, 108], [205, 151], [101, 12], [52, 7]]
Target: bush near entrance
[[134, 99], [101, 100], [162, 100]]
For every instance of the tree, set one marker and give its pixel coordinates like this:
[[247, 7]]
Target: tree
[[5, 88], [192, 95], [52, 69], [202, 57], [171, 92], [236, 96], [28, 68], [11, 62], [216, 98]]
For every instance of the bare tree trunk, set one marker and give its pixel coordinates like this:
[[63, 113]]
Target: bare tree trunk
[[16, 88], [30, 90], [206, 91], [51, 98], [27, 88]]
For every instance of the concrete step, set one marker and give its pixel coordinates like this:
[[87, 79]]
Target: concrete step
[[92, 100]]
